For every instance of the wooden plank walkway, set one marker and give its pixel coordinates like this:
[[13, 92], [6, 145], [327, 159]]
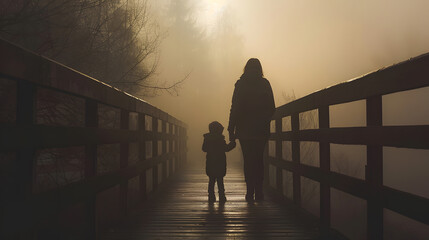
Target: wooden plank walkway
[[181, 211]]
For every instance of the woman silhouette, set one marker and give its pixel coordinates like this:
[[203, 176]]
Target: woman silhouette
[[249, 121]]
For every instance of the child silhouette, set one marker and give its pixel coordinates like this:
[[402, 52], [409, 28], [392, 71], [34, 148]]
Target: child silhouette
[[215, 146]]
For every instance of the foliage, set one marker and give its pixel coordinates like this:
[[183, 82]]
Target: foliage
[[112, 40]]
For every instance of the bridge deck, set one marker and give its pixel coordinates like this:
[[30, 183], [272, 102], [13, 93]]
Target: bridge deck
[[181, 211]]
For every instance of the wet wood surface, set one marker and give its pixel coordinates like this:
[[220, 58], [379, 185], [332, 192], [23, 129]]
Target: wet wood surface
[[181, 211]]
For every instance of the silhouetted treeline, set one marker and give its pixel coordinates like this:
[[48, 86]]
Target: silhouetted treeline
[[115, 41]]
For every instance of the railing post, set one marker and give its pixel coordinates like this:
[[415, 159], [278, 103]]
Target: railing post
[[155, 153], [170, 147], [296, 161], [124, 154], [142, 153], [279, 177], [173, 148], [266, 161], [184, 137], [91, 121], [21, 177], [164, 149], [374, 172], [325, 166], [179, 147], [26, 110]]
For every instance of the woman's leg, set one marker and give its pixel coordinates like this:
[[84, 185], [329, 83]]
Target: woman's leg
[[249, 172], [259, 148], [246, 148]]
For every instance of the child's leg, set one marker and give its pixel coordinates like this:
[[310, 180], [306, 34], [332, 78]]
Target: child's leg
[[212, 181], [221, 189], [212, 197]]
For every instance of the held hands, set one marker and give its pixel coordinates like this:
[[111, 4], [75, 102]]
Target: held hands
[[231, 145], [232, 136]]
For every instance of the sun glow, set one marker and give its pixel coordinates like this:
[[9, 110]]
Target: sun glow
[[210, 12]]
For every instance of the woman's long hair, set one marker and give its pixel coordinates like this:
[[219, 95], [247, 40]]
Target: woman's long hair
[[253, 69]]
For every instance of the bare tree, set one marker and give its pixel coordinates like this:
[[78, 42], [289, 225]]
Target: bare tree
[[115, 41]]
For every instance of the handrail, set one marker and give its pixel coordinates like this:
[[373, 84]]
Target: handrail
[[18, 63], [23, 209], [408, 75]]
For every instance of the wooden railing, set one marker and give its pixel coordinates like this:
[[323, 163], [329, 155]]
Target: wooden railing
[[407, 75], [121, 148]]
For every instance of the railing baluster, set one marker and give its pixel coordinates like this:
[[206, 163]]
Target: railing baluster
[[22, 172], [171, 153], [374, 172], [155, 153], [91, 120], [185, 145], [325, 165], [178, 150], [124, 154], [296, 161], [164, 149], [279, 172], [142, 153], [26, 110]]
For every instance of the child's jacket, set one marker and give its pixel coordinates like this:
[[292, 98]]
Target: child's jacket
[[215, 147]]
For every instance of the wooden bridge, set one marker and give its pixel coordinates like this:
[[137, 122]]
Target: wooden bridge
[[82, 160]]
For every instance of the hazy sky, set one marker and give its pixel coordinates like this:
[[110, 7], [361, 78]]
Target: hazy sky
[[303, 45], [308, 45]]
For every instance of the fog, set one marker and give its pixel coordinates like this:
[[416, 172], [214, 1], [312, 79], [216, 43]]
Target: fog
[[304, 46]]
